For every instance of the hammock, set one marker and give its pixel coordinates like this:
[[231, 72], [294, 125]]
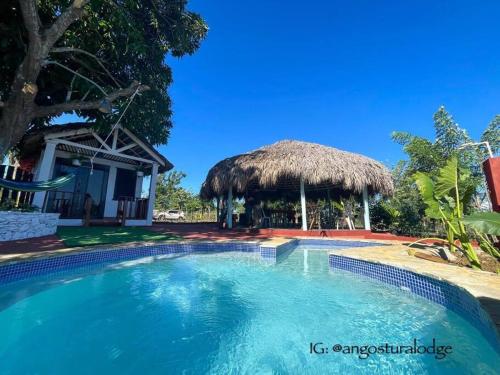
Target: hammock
[[36, 185]]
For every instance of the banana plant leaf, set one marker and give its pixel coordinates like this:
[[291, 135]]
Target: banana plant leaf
[[484, 222], [426, 188], [35, 186], [447, 179]]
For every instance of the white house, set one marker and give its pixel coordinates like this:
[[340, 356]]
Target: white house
[[114, 180]]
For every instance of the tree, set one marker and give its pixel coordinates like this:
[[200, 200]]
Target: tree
[[429, 156], [62, 56], [492, 134], [171, 195]]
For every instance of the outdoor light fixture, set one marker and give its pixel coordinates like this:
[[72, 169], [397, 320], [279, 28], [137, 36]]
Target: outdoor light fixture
[[105, 106]]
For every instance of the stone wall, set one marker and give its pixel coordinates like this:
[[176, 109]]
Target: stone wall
[[18, 225]]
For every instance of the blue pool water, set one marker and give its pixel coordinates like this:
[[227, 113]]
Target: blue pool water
[[222, 314]]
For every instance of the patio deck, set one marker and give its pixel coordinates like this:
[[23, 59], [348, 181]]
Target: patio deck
[[200, 232]]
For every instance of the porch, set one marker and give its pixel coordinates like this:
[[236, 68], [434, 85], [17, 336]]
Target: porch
[[118, 172]]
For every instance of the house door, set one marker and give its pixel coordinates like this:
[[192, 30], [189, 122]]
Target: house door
[[69, 199]]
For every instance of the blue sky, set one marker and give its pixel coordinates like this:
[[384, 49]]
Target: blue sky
[[340, 73]]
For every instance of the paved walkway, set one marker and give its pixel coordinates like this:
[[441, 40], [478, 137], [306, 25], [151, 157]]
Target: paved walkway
[[31, 245], [50, 244], [210, 231]]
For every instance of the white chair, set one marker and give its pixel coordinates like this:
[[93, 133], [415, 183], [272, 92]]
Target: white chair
[[264, 219]]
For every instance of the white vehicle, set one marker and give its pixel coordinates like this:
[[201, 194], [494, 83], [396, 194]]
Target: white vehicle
[[170, 215]]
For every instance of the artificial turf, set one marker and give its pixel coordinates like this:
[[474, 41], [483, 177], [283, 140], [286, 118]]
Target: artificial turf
[[89, 236]]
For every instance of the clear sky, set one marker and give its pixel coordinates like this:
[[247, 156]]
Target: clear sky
[[341, 73]]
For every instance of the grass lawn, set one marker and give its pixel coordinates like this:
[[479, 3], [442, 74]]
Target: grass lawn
[[89, 236]]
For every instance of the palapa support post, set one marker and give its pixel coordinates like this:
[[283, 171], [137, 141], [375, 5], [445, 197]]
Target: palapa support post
[[366, 208], [229, 219], [303, 204]]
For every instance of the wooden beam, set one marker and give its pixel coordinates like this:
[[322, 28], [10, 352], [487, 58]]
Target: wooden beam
[[115, 139], [146, 148], [127, 147], [67, 133], [96, 136], [112, 152]]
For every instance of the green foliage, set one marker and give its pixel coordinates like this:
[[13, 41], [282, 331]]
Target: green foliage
[[171, 195], [383, 215], [484, 222], [492, 135], [10, 205], [407, 206], [444, 196], [130, 38], [426, 156]]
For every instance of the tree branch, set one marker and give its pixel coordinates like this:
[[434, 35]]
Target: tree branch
[[76, 105], [48, 62], [77, 50], [70, 15], [31, 20]]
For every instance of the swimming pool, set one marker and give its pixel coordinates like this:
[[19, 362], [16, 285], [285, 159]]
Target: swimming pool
[[227, 312]]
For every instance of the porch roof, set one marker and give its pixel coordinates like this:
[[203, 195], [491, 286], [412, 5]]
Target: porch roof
[[84, 139]]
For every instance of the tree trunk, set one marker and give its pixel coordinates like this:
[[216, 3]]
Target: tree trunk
[[18, 110]]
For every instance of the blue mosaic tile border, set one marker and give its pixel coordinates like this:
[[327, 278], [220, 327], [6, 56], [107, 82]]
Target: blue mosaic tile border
[[26, 269], [451, 296], [273, 252], [22, 270]]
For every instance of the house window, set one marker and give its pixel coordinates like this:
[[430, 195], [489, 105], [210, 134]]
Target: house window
[[125, 183]]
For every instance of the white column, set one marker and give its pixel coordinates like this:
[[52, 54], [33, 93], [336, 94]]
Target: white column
[[229, 219], [110, 206], [366, 208], [45, 171], [138, 186], [152, 193], [303, 204], [219, 200]]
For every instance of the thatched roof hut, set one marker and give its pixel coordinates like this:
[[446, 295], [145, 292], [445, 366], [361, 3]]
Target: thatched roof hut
[[281, 166]]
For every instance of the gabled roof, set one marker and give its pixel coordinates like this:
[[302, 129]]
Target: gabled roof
[[86, 134]]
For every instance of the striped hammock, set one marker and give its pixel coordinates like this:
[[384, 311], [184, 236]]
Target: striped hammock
[[35, 186]]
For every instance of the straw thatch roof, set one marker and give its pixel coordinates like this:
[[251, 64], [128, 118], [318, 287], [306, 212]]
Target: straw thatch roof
[[280, 166]]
